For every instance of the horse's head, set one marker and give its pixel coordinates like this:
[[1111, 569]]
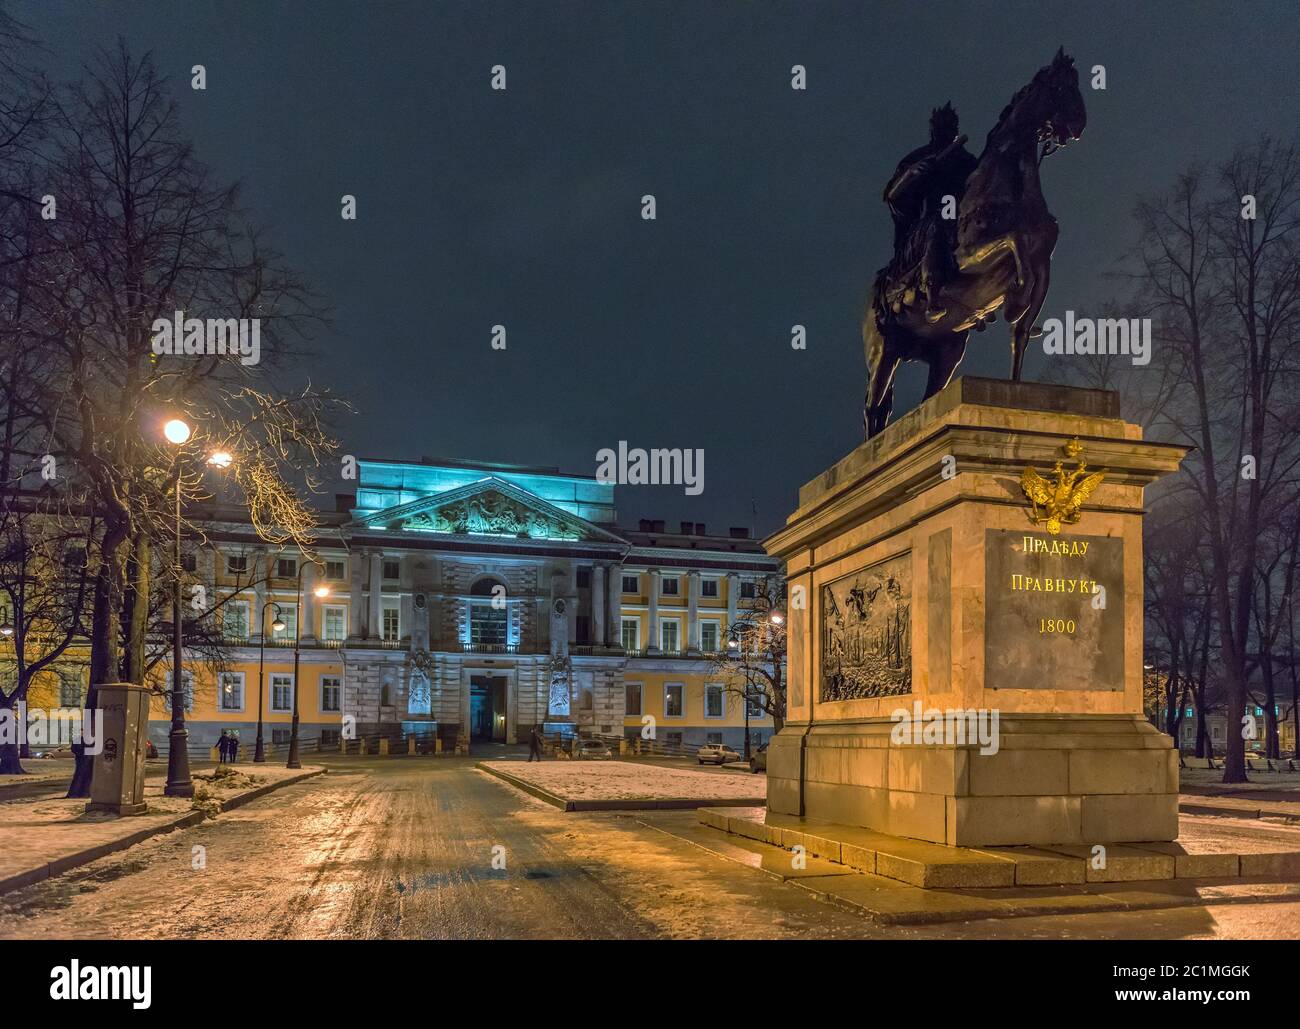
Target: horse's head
[[1060, 109]]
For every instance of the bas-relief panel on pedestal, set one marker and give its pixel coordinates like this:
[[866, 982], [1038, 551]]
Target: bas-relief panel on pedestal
[[867, 632]]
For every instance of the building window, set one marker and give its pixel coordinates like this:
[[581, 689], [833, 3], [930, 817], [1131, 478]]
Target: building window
[[632, 698], [236, 564], [708, 587], [335, 622], [187, 688], [748, 591], [69, 691], [631, 634], [582, 629], [329, 737], [280, 736], [336, 571], [234, 620], [710, 633], [673, 739], [190, 561], [289, 616], [386, 695], [487, 625], [392, 569], [286, 568], [668, 636], [331, 693], [712, 700], [584, 578], [585, 700], [754, 702], [391, 629], [631, 584], [489, 620], [230, 691], [1217, 732], [674, 699], [281, 691], [670, 586], [713, 737]]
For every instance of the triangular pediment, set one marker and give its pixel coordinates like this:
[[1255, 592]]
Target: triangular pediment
[[489, 507]]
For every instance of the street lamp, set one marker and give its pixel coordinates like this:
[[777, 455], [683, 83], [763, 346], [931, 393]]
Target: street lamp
[[177, 432], [320, 591], [259, 751]]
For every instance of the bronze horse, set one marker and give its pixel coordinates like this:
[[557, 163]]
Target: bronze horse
[[1001, 251]]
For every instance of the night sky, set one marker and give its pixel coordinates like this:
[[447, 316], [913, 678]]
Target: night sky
[[522, 208]]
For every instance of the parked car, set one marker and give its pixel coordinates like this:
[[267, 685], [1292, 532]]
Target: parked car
[[758, 759], [594, 750], [716, 753]]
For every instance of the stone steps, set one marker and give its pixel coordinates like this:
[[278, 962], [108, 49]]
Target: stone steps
[[1201, 853]]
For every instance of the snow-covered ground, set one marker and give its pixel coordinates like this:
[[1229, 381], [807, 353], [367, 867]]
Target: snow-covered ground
[[52, 828], [617, 780]]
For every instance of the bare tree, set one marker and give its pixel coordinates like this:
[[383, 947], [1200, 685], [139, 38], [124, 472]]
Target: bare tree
[[1217, 265], [753, 666], [143, 233]]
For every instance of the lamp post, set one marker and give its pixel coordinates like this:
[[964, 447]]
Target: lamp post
[[259, 752], [320, 591], [177, 433]]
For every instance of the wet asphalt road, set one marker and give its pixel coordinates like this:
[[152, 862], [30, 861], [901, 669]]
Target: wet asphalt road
[[382, 849]]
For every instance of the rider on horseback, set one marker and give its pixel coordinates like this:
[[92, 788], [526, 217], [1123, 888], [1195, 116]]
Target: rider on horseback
[[923, 238]]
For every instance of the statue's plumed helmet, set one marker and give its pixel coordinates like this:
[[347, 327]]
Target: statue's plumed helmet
[[943, 124]]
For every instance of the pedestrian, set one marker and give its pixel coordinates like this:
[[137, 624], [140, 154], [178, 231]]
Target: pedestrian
[[223, 747], [233, 747], [534, 745]]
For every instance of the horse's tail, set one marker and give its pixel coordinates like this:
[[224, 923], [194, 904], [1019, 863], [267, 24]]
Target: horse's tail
[[873, 318]]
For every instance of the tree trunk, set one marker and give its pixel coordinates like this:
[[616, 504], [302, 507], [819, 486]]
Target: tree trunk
[[10, 758], [105, 643]]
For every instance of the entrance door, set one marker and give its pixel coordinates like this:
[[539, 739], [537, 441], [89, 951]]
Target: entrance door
[[487, 708]]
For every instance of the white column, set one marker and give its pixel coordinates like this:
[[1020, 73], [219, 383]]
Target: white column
[[255, 623], [308, 617], [356, 581], [733, 593], [653, 642], [614, 627], [598, 605], [693, 612], [376, 591]]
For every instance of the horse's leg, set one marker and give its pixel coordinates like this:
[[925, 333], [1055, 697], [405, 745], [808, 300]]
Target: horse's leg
[[1030, 300], [944, 359], [883, 357]]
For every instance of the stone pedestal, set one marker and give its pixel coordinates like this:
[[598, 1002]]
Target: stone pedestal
[[117, 783], [958, 672]]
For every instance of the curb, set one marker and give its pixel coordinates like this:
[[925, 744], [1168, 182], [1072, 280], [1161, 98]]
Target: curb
[[83, 857], [631, 804], [1225, 811]]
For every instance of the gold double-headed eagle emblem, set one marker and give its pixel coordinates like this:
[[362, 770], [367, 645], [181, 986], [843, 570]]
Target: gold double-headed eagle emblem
[[1061, 502]]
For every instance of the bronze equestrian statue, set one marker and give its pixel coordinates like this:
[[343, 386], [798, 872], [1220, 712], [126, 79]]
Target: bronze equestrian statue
[[951, 274]]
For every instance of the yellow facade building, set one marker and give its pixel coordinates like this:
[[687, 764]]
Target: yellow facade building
[[474, 601]]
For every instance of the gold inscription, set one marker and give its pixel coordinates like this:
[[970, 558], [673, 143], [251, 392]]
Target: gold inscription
[[1035, 584]]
